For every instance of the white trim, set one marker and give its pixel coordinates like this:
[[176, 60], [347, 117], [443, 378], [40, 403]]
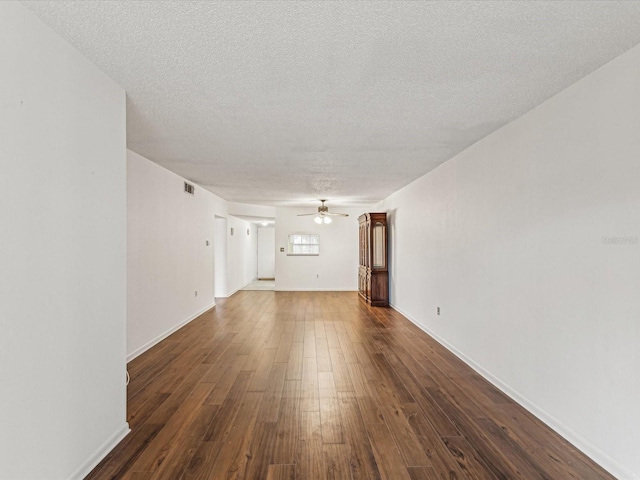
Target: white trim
[[314, 289], [139, 351], [238, 289], [242, 288], [593, 452], [101, 453]]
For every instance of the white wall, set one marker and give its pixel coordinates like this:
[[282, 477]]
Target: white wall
[[336, 268], [62, 255], [242, 254], [220, 257], [168, 259], [508, 238], [266, 252]]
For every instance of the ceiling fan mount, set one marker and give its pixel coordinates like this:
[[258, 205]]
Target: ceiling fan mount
[[323, 208]]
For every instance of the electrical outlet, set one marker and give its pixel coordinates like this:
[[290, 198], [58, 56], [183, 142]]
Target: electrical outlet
[[196, 293], [438, 310], [317, 275]]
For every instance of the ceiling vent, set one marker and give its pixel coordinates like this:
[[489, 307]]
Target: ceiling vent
[[188, 188]]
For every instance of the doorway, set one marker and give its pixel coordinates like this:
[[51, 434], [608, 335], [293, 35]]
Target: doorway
[[266, 260], [266, 253]]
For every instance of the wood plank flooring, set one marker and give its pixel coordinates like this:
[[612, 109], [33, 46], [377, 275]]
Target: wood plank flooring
[[301, 385]]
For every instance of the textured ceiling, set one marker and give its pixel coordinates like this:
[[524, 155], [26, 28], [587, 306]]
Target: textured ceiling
[[282, 103]]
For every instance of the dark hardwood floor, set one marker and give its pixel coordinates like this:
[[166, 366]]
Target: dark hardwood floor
[[296, 385]]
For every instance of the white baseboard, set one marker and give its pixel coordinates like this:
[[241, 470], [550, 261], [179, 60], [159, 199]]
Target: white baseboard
[[582, 444], [315, 290], [241, 288], [101, 453], [162, 336]]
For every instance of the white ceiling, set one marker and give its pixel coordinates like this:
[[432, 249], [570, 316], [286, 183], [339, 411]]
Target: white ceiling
[[282, 103]]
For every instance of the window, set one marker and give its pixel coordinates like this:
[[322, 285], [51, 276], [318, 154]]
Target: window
[[304, 244]]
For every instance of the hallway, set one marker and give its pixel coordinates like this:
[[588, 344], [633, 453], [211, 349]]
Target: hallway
[[315, 385]]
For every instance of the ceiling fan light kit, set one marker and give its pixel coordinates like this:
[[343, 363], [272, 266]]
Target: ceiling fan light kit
[[323, 215], [319, 219]]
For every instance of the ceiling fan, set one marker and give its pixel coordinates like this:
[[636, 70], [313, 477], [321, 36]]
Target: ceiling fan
[[323, 215]]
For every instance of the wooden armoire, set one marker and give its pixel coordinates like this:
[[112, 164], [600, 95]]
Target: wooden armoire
[[373, 275]]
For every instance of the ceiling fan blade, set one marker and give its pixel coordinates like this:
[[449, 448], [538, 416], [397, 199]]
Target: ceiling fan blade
[[323, 211], [337, 214]]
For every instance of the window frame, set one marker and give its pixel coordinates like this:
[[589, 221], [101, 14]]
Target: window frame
[[310, 237]]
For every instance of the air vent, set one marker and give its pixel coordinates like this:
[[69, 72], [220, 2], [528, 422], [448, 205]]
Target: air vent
[[188, 188]]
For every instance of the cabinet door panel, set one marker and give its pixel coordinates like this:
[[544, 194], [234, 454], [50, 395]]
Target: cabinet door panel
[[373, 276]]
